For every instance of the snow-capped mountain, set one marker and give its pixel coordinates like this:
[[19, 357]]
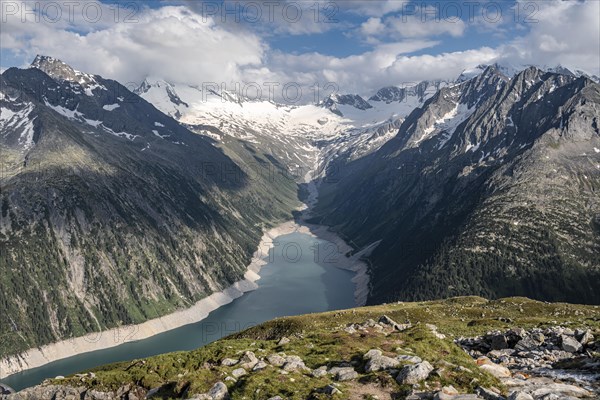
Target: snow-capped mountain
[[510, 71], [295, 134]]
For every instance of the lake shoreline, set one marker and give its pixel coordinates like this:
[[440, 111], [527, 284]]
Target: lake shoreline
[[39, 356]]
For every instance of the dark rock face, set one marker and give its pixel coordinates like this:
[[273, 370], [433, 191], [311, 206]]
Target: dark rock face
[[488, 189], [333, 101], [395, 94]]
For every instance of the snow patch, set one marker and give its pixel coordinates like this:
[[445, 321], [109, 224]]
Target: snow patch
[[19, 120], [159, 124], [110, 107], [159, 135], [120, 134], [89, 90], [472, 147]]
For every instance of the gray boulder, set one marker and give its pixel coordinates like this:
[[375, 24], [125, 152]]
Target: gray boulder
[[248, 360], [228, 362], [384, 319], [412, 374], [520, 396], [379, 363], [283, 341], [570, 344], [218, 392], [343, 373], [260, 365], [236, 373], [276, 360], [293, 363], [319, 372]]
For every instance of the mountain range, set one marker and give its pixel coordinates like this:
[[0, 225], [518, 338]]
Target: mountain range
[[121, 206]]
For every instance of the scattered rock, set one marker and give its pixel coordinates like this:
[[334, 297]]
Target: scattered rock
[[381, 362], [283, 341], [562, 389], [384, 319], [448, 390], [586, 338], [520, 396], [248, 360], [97, 395], [276, 360], [330, 390], [497, 370], [293, 363], [260, 365], [434, 330], [570, 344], [488, 394], [412, 374], [343, 373], [218, 392], [350, 329], [410, 359], [529, 343], [236, 373], [228, 362], [372, 353], [319, 372]]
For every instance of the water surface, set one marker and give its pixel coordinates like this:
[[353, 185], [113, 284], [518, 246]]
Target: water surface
[[298, 280]]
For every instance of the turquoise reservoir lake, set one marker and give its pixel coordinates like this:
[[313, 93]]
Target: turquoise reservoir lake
[[299, 279]]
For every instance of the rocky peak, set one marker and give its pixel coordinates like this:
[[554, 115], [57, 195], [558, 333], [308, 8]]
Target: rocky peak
[[58, 70], [333, 101], [422, 91]]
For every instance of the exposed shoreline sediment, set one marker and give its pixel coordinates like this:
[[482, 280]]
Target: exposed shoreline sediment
[[37, 357]]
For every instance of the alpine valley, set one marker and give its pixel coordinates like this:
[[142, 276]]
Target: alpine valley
[[121, 206]]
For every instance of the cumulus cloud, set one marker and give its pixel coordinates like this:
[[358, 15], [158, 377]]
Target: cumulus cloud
[[170, 42], [565, 32], [288, 17], [181, 44], [399, 27]]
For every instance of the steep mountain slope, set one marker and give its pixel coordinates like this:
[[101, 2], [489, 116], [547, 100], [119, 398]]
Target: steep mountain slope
[[112, 212], [490, 188]]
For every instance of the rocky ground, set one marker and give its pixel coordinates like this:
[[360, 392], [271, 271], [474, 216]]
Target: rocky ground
[[366, 354], [550, 364]]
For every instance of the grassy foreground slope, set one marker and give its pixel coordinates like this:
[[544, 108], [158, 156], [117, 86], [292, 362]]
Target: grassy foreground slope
[[325, 340]]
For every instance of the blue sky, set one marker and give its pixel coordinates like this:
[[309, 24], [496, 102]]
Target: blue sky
[[368, 44]]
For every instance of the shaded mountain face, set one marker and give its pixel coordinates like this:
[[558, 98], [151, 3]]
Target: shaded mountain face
[[111, 211], [490, 188], [334, 101], [420, 91]]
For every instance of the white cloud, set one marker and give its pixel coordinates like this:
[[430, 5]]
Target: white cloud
[[273, 17], [566, 33], [387, 65], [423, 22], [177, 44], [170, 42], [372, 26]]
